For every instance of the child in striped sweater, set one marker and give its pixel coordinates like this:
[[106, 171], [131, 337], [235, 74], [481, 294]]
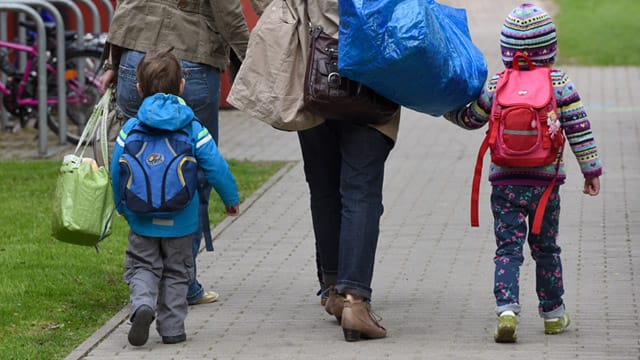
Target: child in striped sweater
[[517, 190]]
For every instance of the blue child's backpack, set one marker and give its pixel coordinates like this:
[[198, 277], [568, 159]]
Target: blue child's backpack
[[158, 171]]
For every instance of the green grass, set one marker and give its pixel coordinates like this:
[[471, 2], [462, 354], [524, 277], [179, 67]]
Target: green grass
[[595, 32], [54, 295]]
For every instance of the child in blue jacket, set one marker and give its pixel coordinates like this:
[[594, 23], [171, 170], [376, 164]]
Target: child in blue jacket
[[159, 262]]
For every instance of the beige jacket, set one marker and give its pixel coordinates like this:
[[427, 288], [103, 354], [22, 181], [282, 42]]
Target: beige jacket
[[269, 85], [259, 5], [199, 30]]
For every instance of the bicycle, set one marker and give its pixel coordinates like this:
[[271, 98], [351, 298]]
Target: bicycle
[[20, 89]]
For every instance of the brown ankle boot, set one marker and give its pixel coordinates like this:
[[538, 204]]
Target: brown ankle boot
[[358, 321], [334, 303]]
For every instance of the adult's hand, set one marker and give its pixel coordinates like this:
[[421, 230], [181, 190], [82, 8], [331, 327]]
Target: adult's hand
[[106, 79]]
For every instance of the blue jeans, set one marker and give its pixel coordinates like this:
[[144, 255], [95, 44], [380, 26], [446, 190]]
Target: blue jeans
[[201, 93], [344, 168]]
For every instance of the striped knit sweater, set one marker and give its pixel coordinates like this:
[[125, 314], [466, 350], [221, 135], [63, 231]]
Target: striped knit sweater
[[575, 125]]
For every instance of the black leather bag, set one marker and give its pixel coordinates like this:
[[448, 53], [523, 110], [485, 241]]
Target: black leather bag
[[332, 96]]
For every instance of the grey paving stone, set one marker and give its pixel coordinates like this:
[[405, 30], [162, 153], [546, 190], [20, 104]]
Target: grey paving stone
[[433, 279]]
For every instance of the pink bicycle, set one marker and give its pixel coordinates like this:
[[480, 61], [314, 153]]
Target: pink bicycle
[[19, 92]]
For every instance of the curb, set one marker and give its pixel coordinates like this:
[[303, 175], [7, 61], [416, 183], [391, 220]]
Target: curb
[[121, 316]]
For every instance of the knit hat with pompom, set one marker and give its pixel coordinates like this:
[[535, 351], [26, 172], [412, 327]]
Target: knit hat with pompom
[[530, 30]]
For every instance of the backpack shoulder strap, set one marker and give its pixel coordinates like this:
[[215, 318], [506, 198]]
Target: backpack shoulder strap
[[496, 107], [203, 193], [489, 139], [475, 187], [544, 198]]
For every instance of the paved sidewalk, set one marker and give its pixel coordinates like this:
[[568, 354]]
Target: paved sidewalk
[[433, 278]]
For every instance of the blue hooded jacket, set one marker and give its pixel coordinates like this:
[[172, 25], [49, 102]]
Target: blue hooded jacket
[[169, 112]]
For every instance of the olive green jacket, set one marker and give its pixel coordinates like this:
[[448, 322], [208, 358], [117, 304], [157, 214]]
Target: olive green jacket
[[199, 30]]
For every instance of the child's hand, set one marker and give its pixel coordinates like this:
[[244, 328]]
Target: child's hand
[[233, 210], [591, 186]]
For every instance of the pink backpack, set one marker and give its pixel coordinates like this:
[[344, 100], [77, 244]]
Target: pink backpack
[[524, 128]]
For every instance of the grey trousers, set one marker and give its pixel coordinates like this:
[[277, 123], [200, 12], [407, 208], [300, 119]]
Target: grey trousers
[[158, 272]]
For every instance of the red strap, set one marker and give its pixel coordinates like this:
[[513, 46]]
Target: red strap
[[515, 64], [475, 188], [542, 204]]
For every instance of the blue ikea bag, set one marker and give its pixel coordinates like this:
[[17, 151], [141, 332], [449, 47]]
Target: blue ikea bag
[[417, 53]]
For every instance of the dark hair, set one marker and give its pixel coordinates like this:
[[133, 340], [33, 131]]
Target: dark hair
[[159, 72]]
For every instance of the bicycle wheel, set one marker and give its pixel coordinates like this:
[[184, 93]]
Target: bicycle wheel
[[82, 94]]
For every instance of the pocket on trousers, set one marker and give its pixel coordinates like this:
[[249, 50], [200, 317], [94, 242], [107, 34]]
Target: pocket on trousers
[[183, 254], [128, 98], [190, 271], [197, 92], [128, 269]]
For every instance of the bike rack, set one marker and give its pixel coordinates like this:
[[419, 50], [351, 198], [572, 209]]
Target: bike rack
[[60, 54], [42, 70], [107, 4], [94, 14], [80, 30], [4, 116], [22, 39], [76, 12]]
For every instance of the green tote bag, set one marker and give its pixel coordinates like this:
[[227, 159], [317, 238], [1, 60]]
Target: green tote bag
[[83, 200]]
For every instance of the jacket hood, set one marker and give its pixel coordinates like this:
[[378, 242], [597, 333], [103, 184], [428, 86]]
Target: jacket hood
[[165, 111]]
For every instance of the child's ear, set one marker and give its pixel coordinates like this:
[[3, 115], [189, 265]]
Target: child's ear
[[182, 83], [139, 89]]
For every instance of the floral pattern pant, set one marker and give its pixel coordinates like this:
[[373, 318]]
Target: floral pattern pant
[[511, 207]]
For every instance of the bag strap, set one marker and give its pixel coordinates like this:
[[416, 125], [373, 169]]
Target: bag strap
[[96, 128], [203, 200], [475, 187], [542, 204], [104, 142], [105, 229], [489, 140], [203, 210], [206, 227], [516, 64]]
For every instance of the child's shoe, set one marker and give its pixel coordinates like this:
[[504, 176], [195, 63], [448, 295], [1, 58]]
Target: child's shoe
[[139, 331], [556, 325], [207, 297], [174, 339], [506, 329]]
